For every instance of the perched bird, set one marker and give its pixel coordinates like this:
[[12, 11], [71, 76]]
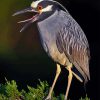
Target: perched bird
[[62, 39]]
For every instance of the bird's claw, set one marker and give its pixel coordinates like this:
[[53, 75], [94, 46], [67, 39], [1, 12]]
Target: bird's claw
[[48, 98]]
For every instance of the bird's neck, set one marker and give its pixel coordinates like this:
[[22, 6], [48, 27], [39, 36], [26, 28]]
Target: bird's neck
[[46, 15]]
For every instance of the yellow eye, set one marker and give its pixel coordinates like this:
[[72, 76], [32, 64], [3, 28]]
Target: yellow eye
[[40, 7]]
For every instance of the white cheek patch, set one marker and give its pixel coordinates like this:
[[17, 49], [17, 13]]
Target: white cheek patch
[[35, 4], [48, 8]]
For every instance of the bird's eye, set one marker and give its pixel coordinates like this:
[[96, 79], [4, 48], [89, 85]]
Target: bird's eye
[[40, 7]]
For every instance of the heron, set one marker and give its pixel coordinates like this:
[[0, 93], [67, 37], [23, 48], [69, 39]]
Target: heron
[[62, 38]]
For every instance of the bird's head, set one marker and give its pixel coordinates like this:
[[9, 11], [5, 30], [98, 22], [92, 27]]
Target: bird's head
[[42, 9]]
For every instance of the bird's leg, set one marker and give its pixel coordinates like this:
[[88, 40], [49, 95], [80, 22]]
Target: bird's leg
[[78, 78], [56, 77], [69, 80]]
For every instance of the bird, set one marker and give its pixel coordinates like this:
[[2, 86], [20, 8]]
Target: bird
[[62, 38]]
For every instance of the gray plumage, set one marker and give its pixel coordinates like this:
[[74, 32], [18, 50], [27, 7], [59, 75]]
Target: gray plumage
[[62, 39], [65, 42]]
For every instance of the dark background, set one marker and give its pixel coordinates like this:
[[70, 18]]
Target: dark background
[[23, 59]]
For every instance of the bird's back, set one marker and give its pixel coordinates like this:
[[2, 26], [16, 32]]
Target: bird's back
[[64, 41]]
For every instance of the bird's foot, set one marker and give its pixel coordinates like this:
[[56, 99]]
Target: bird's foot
[[48, 97], [65, 98]]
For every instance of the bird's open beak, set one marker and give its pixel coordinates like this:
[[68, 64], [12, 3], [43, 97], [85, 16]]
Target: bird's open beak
[[30, 20]]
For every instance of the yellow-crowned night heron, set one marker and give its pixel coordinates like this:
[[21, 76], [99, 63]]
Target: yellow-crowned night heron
[[62, 39]]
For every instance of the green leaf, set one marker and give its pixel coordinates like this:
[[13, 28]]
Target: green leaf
[[9, 91]]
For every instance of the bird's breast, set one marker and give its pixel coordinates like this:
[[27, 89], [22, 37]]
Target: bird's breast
[[48, 40]]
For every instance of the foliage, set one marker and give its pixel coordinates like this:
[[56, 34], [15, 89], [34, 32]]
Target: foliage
[[9, 91]]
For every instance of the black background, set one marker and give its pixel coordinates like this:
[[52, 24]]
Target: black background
[[31, 62]]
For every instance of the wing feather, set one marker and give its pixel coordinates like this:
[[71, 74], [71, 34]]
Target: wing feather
[[72, 41]]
